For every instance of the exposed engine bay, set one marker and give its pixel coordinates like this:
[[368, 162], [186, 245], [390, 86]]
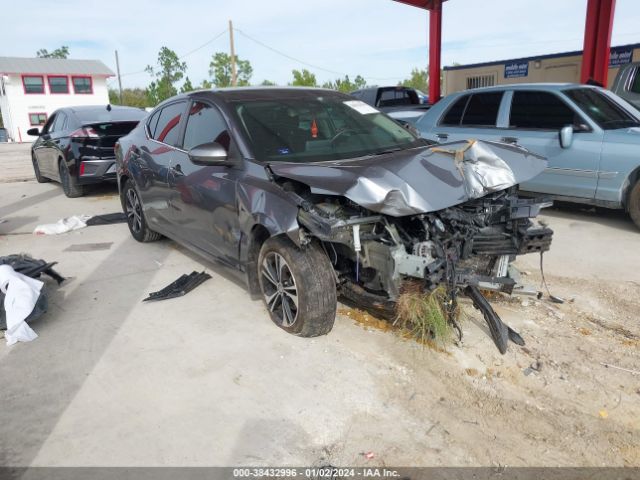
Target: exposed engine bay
[[465, 247]]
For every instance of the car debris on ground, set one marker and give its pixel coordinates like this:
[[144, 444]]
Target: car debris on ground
[[76, 222], [180, 287], [23, 296]]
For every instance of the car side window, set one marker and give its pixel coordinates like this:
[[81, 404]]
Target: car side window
[[635, 84], [482, 109], [540, 110], [205, 125], [454, 114], [167, 128], [49, 125], [59, 123]]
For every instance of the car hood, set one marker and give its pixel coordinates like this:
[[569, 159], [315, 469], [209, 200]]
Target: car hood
[[419, 180]]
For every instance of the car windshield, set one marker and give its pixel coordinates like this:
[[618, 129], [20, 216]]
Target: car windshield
[[602, 109], [320, 128]]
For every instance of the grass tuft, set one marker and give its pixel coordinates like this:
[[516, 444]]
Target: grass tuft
[[424, 315]]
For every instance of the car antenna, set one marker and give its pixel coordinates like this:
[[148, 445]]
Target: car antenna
[[108, 107]]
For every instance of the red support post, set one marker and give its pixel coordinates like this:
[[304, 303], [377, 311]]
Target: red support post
[[597, 41], [605, 27], [435, 46]]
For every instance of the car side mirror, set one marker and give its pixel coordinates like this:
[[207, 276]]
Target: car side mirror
[[34, 132], [209, 154], [566, 136]]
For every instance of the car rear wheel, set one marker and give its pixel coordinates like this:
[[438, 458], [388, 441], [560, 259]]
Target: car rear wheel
[[36, 171], [135, 215], [69, 184], [634, 204], [298, 287]]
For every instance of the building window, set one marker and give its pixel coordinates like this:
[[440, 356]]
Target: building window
[[58, 84], [480, 81], [33, 84], [82, 85], [37, 119]]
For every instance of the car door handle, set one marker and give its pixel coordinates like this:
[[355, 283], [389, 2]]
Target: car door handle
[[442, 136], [509, 140]]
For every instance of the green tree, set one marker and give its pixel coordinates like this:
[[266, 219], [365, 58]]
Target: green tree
[[168, 72], [131, 97], [62, 52], [345, 84], [268, 83], [419, 79], [187, 86], [220, 70], [206, 84], [303, 78]]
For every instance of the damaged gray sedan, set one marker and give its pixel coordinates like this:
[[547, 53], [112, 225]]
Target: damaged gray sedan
[[308, 194]]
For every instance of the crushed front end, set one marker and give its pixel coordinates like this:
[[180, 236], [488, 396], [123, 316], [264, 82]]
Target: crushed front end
[[375, 246]]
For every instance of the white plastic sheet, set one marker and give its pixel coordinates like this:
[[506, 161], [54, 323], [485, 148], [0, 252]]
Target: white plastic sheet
[[64, 225], [21, 295]]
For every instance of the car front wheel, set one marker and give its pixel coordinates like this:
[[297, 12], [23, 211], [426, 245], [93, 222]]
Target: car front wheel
[[298, 287], [135, 215], [634, 204]]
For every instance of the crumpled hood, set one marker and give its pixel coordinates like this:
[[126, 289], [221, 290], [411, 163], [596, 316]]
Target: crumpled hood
[[419, 180]]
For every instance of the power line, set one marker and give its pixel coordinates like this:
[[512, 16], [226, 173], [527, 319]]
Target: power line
[[208, 42], [297, 60]]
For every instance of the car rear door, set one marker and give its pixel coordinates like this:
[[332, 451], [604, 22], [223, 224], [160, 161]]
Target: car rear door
[[472, 116], [535, 120], [56, 143], [203, 197], [153, 160]]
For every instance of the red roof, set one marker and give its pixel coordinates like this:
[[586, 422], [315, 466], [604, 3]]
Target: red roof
[[426, 4]]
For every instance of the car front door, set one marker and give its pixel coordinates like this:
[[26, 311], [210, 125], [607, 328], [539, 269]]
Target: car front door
[[55, 142], [42, 149], [153, 160], [472, 116], [203, 197], [535, 121]]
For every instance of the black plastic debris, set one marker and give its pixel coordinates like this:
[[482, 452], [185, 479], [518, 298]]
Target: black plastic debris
[[180, 287], [107, 219], [33, 268]]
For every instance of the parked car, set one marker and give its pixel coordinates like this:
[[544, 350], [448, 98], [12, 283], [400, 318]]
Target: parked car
[[627, 83], [589, 136], [3, 135], [307, 193], [400, 103], [76, 145]]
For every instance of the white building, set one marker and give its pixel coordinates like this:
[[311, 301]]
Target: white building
[[32, 88]]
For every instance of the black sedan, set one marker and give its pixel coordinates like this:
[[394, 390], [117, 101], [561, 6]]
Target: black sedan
[[309, 193], [76, 145]]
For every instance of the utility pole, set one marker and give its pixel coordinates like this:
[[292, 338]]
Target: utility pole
[[119, 79], [234, 77]]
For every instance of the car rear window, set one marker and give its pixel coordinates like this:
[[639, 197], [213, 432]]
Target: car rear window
[[482, 109], [113, 129], [540, 110], [454, 114]]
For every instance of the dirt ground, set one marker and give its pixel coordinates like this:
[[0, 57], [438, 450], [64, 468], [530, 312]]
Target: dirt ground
[[207, 379]]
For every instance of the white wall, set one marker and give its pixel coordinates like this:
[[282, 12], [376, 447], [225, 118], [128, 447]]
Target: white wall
[[16, 105]]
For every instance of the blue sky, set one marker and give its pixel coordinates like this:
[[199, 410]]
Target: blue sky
[[381, 40]]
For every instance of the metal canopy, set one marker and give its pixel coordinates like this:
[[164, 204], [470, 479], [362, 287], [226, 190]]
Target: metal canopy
[[597, 41]]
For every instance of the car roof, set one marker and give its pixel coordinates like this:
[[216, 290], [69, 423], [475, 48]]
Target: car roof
[[105, 113], [528, 86]]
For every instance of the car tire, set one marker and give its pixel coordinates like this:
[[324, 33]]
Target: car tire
[[634, 204], [136, 220], [298, 287], [69, 184], [36, 171]]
